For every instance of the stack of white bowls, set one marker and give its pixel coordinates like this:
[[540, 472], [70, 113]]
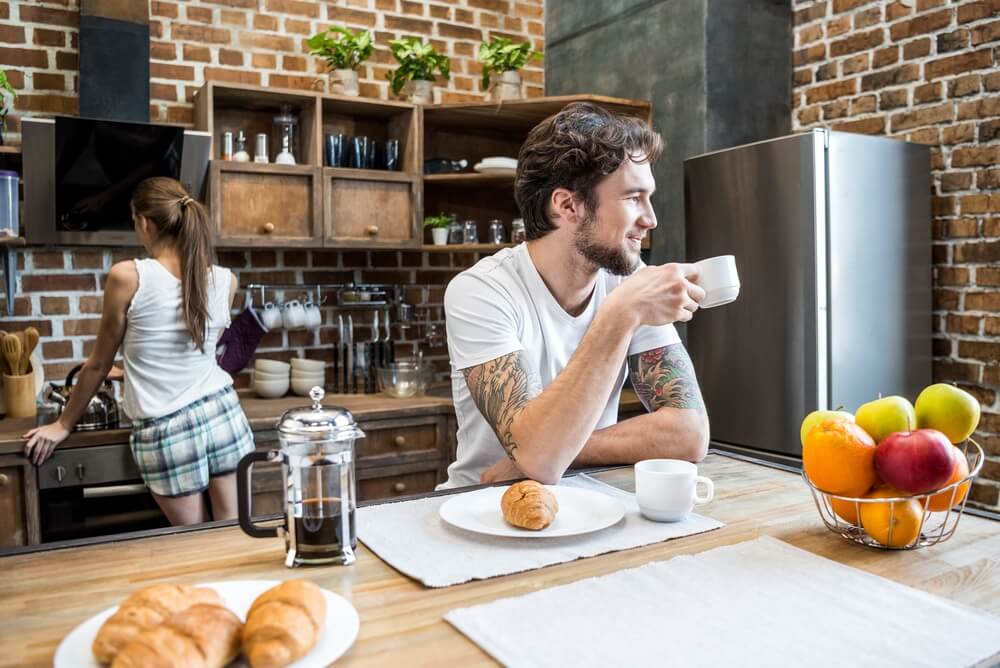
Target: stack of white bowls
[[307, 374], [270, 378]]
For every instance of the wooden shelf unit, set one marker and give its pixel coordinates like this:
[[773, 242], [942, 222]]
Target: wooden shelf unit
[[265, 205], [464, 248]]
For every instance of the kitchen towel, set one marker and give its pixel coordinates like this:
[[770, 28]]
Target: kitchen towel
[[448, 555], [757, 603]]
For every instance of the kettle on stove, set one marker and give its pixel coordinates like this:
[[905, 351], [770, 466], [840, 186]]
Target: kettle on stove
[[102, 410]]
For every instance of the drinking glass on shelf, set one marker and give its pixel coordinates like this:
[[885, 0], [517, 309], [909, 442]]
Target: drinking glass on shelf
[[497, 234], [517, 233], [456, 233], [470, 233]]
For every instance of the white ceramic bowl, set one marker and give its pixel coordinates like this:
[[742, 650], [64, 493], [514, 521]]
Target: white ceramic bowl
[[267, 375], [307, 364], [271, 389], [315, 380], [302, 387], [272, 366]]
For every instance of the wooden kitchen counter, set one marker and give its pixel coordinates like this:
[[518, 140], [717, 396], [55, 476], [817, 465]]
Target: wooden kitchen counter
[[263, 413], [46, 594]]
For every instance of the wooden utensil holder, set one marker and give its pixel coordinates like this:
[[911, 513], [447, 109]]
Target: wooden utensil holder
[[19, 395]]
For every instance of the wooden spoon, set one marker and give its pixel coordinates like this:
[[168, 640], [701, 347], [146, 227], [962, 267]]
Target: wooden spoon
[[30, 342], [12, 352]]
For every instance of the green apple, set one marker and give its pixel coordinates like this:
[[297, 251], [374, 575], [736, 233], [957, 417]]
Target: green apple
[[816, 417], [952, 411], [886, 416]]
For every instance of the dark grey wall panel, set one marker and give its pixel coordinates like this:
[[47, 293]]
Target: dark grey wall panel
[[718, 73]]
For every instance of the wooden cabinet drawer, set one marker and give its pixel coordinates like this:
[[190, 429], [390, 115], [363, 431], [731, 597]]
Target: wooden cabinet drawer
[[389, 486], [265, 204], [370, 208], [404, 439], [13, 529]]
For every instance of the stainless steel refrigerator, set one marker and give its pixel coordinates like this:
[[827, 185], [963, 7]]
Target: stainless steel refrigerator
[[832, 237]]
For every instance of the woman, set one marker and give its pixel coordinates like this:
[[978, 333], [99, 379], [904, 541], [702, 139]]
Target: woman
[[166, 313]]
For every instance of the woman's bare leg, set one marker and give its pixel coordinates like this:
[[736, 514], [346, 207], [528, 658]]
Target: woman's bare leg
[[181, 510], [222, 492]]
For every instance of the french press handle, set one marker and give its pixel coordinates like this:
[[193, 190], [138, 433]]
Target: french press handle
[[243, 496]]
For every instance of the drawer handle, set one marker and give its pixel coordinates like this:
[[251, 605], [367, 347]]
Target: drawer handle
[[81, 471], [372, 230], [59, 473], [400, 441], [399, 487], [268, 228], [4, 479]]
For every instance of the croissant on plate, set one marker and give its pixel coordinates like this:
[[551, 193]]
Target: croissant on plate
[[201, 636], [283, 624], [144, 609], [529, 505]]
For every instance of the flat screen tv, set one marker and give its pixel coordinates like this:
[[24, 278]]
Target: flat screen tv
[[99, 164]]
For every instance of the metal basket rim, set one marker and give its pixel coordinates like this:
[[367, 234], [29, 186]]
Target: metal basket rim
[[967, 479]]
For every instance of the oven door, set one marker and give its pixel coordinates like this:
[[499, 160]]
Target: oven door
[[87, 492]]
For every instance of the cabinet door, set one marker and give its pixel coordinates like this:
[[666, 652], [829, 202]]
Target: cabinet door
[[18, 503], [370, 208], [265, 205]]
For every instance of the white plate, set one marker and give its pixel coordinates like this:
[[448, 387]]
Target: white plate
[[339, 631], [494, 170], [498, 161], [580, 511]]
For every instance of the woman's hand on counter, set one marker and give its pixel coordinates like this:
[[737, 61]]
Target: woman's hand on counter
[[43, 440]]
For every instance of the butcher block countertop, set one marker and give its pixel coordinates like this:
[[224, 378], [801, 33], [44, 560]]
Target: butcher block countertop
[[46, 594], [263, 413]]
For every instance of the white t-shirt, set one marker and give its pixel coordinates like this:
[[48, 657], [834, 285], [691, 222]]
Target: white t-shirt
[[499, 306]]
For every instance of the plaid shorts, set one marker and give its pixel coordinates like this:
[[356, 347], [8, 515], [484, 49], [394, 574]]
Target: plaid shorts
[[178, 453]]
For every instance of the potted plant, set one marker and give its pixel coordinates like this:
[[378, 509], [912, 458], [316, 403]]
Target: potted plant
[[7, 95], [438, 226], [501, 59], [417, 63], [344, 52]]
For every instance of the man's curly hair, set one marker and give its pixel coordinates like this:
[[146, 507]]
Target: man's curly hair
[[575, 149]]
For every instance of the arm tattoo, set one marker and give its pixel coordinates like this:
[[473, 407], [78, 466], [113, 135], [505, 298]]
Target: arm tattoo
[[665, 377], [500, 389]]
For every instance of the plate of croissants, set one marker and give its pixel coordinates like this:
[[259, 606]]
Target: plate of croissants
[[529, 509], [255, 623]]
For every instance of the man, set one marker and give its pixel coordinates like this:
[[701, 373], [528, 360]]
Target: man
[[540, 335]]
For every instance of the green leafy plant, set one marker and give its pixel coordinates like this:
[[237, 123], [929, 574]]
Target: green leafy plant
[[7, 97], [437, 221], [342, 49], [417, 61], [503, 55]]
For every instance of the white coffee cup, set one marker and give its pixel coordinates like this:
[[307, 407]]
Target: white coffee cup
[[293, 315], [270, 317], [313, 316], [666, 489], [718, 278]]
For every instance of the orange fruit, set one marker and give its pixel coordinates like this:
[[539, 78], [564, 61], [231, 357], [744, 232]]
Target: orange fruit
[[846, 510], [839, 458], [940, 502], [900, 518]]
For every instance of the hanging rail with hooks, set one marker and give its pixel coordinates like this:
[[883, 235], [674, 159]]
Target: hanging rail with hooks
[[346, 295]]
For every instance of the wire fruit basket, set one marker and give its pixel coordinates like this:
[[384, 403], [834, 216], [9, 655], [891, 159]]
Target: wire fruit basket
[[935, 526]]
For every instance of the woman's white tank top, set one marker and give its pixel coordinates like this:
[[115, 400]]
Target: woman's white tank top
[[164, 370]]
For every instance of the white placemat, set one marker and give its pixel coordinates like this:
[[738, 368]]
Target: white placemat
[[412, 538], [757, 603]]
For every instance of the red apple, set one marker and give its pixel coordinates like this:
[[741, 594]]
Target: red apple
[[915, 461]]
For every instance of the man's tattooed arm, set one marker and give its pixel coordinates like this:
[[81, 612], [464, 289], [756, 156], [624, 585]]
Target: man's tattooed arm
[[664, 377], [500, 388]]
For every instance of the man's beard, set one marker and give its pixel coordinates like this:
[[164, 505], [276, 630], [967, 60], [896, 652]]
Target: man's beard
[[615, 260]]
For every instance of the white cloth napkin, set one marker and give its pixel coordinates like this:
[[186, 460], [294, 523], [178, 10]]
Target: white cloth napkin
[[412, 538], [757, 603]]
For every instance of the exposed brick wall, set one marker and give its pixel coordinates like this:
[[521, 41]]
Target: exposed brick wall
[[258, 42], [929, 74]]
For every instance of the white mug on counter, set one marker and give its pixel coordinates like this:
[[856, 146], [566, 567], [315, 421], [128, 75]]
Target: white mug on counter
[[270, 317], [293, 315], [718, 278], [666, 489]]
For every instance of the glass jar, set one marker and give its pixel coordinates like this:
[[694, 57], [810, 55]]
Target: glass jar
[[497, 233], [470, 232], [517, 233], [285, 134], [456, 233]]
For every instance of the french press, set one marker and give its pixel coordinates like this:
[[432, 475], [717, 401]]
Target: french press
[[316, 451]]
